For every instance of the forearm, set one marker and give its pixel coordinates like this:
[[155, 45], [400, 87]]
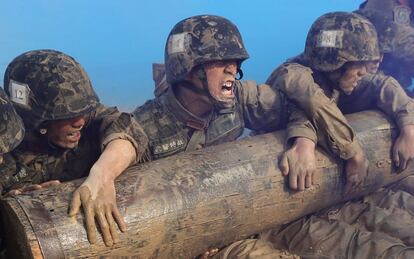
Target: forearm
[[393, 101], [115, 158]]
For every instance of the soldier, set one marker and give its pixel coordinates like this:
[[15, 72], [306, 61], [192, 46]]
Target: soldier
[[11, 127], [393, 21], [394, 24], [332, 73], [69, 135], [204, 104]]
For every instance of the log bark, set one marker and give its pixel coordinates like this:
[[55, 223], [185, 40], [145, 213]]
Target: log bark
[[179, 206]]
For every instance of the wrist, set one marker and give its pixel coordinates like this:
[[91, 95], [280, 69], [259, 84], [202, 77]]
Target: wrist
[[100, 174], [304, 142]]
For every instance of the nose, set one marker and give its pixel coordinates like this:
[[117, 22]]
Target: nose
[[362, 71], [78, 122], [231, 68]]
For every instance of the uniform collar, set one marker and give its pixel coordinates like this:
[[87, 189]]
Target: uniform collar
[[182, 114]]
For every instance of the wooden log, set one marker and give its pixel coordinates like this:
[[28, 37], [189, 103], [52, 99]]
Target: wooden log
[[179, 206]]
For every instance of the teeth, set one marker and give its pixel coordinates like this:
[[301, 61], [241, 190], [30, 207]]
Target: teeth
[[228, 84]]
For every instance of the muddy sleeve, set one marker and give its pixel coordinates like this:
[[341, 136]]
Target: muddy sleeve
[[393, 100], [297, 83], [263, 107], [403, 42], [113, 124], [14, 174], [299, 125]]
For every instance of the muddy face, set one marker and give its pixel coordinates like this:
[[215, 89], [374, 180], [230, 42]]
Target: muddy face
[[66, 133], [351, 75], [220, 78]]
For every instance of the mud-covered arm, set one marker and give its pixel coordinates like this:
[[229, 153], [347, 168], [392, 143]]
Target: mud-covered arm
[[263, 107], [113, 124], [123, 143], [298, 85], [299, 126], [391, 99]]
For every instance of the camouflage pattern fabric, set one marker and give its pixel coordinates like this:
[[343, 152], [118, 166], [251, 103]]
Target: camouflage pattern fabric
[[394, 24], [339, 37], [36, 161], [253, 248], [11, 125], [200, 39], [48, 85], [172, 129], [324, 105], [379, 225]]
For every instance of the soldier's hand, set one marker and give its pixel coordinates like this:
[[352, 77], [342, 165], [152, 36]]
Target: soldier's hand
[[208, 254], [299, 163], [403, 150], [98, 201], [33, 187], [356, 169]]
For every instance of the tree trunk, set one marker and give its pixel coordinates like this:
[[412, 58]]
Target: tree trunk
[[179, 206]]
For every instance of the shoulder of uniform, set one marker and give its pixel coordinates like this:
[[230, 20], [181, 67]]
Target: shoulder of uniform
[[289, 72], [144, 111], [379, 79]]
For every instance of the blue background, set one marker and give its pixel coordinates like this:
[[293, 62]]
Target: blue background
[[118, 40]]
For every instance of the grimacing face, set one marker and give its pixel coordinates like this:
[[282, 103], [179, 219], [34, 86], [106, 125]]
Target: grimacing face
[[352, 72], [66, 133], [221, 76]]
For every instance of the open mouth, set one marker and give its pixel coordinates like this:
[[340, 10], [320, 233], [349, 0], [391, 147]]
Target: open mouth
[[227, 89], [74, 136]]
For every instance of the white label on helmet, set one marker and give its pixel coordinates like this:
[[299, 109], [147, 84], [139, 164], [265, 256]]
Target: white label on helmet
[[402, 14], [329, 39], [177, 43], [19, 92]]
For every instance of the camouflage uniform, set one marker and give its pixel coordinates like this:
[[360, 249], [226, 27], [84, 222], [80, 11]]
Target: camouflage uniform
[[394, 24], [371, 227], [170, 127], [47, 85], [11, 125]]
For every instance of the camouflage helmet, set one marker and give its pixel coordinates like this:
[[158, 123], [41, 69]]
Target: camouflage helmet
[[387, 16], [340, 37], [48, 85], [11, 125], [200, 39]]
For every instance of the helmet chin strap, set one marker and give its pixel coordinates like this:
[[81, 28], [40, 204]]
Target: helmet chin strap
[[220, 106]]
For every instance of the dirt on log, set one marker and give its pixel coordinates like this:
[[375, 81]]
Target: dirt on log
[[180, 206]]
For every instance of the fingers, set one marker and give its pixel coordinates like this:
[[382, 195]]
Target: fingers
[[293, 181], [402, 161], [301, 182], [89, 218], [103, 224], [396, 158], [284, 164], [119, 219], [14, 192], [112, 225], [75, 204], [50, 183], [29, 188], [308, 180], [90, 224]]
